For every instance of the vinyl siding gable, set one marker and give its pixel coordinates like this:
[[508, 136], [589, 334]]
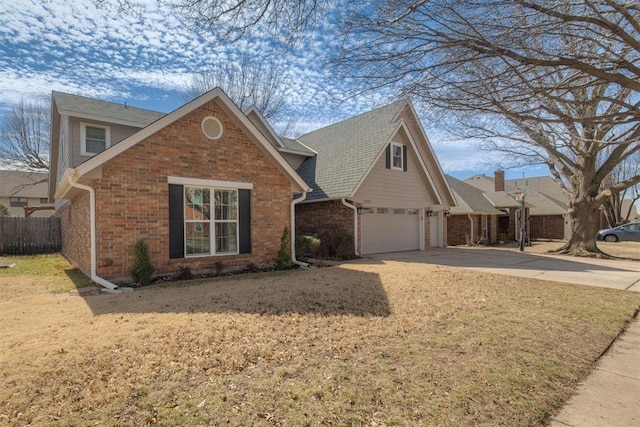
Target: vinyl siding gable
[[117, 133], [396, 188]]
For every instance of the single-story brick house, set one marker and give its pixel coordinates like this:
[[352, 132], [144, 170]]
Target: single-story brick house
[[199, 185], [475, 219], [547, 216], [546, 200]]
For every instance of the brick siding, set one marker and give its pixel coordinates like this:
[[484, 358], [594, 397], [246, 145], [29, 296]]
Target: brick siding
[[546, 227], [76, 233], [132, 198], [317, 218], [459, 229]]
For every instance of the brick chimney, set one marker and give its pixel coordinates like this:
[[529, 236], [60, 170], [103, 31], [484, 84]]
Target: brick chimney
[[499, 180]]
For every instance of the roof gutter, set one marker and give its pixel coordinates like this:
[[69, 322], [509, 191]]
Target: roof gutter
[[108, 286], [355, 225], [292, 207]]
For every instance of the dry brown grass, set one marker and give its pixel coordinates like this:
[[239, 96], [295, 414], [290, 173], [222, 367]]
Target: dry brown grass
[[367, 343]]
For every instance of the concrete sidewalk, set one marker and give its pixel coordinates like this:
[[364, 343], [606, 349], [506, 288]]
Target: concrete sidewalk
[[611, 394]]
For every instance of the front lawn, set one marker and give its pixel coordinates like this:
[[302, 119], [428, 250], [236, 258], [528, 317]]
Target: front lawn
[[368, 343]]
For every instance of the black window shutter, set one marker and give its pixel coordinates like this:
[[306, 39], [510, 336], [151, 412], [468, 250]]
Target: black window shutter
[[404, 157], [389, 156], [244, 220], [176, 221]]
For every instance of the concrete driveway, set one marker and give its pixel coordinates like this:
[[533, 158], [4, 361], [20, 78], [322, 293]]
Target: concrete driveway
[[616, 274]]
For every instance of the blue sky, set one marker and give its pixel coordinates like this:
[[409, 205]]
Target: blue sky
[[148, 59]]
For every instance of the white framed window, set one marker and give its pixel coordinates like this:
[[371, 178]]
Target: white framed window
[[94, 138], [397, 158], [210, 221]]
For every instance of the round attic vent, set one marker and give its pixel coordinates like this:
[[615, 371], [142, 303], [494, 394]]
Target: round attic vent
[[211, 127]]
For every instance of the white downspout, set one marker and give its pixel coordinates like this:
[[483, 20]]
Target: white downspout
[[92, 215], [355, 225], [292, 207], [471, 235]]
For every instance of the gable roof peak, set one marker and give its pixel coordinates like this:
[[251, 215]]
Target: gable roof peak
[[214, 94], [391, 110]]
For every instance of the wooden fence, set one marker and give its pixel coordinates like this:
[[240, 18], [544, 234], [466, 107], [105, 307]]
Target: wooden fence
[[24, 236]]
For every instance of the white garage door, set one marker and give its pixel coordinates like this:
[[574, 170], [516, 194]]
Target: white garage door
[[390, 230]]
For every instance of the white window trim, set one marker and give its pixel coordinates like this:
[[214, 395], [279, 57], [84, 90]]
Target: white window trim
[[401, 168], [212, 221], [210, 183], [83, 137]]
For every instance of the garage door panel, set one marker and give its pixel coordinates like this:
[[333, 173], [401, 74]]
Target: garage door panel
[[390, 230]]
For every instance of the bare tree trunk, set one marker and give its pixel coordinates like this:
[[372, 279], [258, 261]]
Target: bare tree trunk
[[584, 216]]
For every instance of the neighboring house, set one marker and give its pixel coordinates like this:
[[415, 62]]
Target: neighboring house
[[375, 178], [20, 189], [475, 219], [201, 185], [546, 202], [546, 214]]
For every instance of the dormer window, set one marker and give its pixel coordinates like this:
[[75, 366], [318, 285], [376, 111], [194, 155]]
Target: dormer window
[[94, 138]]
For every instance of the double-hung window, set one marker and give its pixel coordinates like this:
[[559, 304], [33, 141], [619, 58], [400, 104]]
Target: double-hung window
[[94, 138], [210, 221], [208, 217], [396, 156]]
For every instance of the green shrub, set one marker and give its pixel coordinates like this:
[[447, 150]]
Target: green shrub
[[142, 268], [4, 210], [307, 246], [283, 259]]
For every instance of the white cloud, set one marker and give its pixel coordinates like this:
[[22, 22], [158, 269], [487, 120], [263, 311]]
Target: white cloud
[[147, 58]]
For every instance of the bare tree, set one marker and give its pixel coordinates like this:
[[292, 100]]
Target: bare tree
[[427, 28], [617, 208], [285, 19], [24, 136], [260, 82]]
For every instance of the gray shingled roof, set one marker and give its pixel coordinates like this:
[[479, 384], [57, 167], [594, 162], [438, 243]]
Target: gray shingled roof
[[295, 145], [501, 199], [540, 204], [346, 151], [107, 110], [470, 199], [23, 184], [544, 185], [543, 195]]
